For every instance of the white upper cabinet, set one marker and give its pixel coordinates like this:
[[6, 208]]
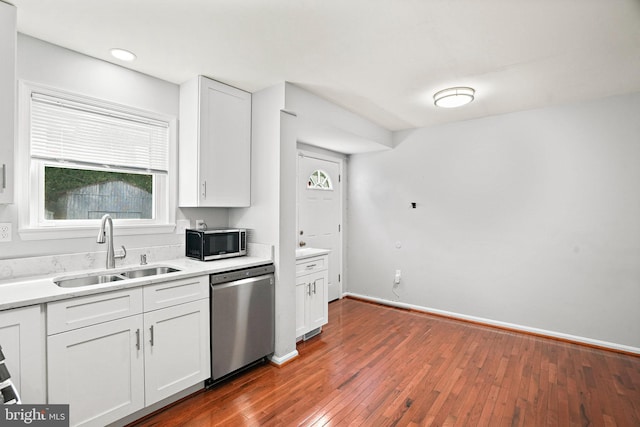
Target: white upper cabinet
[[7, 99], [215, 145]]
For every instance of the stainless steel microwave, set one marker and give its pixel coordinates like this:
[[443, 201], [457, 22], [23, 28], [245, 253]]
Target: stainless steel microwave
[[217, 243]]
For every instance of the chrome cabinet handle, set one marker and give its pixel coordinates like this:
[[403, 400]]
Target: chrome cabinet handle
[[4, 176], [204, 189], [310, 266], [151, 340], [314, 287], [309, 289], [138, 339]]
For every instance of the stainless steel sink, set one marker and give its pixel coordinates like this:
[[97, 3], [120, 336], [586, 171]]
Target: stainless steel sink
[[150, 271], [102, 278], [88, 281]]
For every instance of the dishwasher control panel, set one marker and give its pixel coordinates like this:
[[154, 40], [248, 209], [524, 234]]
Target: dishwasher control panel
[[231, 276]]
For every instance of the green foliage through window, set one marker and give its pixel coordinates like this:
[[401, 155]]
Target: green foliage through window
[[64, 184]]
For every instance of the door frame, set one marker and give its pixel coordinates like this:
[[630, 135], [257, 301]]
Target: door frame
[[340, 159]]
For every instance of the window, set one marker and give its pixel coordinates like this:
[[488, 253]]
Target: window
[[319, 180], [88, 158], [71, 193]]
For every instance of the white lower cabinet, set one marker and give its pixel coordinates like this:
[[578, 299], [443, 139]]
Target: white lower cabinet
[[302, 288], [22, 338], [98, 371], [175, 357], [111, 369], [312, 304], [318, 304]]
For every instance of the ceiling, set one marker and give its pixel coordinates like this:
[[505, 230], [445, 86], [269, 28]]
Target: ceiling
[[382, 59]]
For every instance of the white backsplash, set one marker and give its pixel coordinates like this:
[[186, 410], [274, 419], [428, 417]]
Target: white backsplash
[[44, 265]]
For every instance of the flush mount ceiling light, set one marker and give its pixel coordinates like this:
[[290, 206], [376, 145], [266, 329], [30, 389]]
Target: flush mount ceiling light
[[453, 97], [122, 54]]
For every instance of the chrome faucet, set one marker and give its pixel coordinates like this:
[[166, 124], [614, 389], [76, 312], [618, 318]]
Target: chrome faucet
[[108, 239]]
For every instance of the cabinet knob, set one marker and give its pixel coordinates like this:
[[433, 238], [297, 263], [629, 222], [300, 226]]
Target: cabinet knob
[[301, 244]]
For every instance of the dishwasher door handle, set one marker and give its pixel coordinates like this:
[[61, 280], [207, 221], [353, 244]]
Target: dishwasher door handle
[[242, 282]]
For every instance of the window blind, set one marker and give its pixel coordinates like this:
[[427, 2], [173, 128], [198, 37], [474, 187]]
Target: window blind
[[71, 131]]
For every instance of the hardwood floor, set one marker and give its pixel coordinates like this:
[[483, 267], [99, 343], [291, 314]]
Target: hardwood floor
[[375, 365]]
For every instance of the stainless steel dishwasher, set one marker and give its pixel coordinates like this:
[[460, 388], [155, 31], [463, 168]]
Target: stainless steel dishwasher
[[242, 319]]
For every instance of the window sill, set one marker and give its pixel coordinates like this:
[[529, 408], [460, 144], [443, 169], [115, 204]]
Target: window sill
[[92, 231]]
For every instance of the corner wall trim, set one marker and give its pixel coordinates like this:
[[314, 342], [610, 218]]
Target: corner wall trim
[[605, 345], [281, 360]]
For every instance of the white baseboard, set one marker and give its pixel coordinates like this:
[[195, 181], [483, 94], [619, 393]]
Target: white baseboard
[[516, 327], [279, 360]]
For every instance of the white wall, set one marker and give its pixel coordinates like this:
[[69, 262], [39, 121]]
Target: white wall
[[271, 216], [324, 124], [531, 218], [265, 167], [51, 65]]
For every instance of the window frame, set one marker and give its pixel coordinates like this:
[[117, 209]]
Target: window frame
[[30, 177], [318, 185]]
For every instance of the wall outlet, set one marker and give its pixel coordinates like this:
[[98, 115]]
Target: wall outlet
[[397, 277], [5, 231]]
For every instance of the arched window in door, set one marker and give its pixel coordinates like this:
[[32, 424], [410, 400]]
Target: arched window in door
[[319, 180]]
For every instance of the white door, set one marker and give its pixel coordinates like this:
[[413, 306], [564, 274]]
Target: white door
[[302, 289], [317, 307], [176, 349], [23, 345], [320, 213], [98, 371]]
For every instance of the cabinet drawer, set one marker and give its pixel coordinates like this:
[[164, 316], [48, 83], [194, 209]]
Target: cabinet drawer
[[175, 292], [311, 265], [79, 312]]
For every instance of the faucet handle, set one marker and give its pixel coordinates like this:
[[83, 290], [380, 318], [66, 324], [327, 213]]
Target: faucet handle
[[124, 253]]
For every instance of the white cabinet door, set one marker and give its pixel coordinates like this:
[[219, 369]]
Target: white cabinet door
[[318, 303], [215, 145], [176, 349], [225, 144], [22, 338], [312, 306], [7, 99], [302, 289], [98, 370]]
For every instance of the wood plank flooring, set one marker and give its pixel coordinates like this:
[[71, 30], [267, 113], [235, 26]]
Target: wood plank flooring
[[381, 366]]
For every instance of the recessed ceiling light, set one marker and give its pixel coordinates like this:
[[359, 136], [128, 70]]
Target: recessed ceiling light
[[453, 97], [122, 54]]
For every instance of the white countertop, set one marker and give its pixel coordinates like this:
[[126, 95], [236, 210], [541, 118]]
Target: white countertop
[[38, 290], [303, 253]]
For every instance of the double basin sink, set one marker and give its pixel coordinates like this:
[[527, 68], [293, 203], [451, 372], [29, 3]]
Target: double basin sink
[[101, 278]]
